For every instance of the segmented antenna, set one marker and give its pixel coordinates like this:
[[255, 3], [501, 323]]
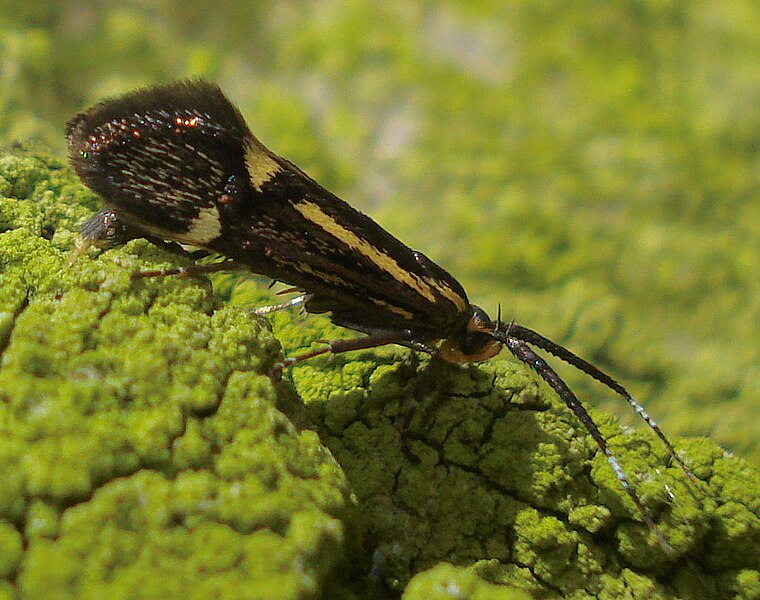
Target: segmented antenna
[[516, 338], [528, 335]]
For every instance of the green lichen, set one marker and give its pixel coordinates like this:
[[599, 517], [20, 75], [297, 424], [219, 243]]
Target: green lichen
[[146, 452], [143, 448], [491, 465], [581, 164], [447, 582]]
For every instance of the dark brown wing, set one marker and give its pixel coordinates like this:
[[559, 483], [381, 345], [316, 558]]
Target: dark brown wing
[[180, 162]]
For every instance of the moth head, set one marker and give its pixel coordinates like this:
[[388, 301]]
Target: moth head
[[475, 343]]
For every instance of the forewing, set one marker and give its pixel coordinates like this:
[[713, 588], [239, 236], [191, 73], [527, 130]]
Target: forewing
[[180, 162], [162, 156]]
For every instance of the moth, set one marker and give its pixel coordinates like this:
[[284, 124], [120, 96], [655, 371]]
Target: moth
[[177, 162]]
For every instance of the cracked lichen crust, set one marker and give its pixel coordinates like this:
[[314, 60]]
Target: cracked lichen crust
[[484, 467], [143, 451]]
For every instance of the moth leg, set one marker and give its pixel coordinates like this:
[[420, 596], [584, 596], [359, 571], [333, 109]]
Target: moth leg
[[102, 230], [526, 355], [106, 229], [339, 346], [265, 310], [191, 270]]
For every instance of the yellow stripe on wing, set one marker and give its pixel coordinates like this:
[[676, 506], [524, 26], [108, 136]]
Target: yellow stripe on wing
[[259, 163], [380, 259]]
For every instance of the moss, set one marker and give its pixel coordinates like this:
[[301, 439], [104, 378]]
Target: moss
[[145, 451]]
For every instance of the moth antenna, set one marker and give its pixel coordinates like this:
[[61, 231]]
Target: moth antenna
[[532, 337], [525, 354]]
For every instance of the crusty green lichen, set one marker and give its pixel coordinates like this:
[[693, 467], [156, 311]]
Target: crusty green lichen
[[583, 163], [448, 582], [491, 465], [145, 451]]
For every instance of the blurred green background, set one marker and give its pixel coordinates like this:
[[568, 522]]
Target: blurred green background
[[592, 166]]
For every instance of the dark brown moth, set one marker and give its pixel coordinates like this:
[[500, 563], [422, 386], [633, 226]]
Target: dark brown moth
[[177, 162]]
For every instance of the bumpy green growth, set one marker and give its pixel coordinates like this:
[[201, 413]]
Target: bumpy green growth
[[446, 582], [492, 466], [144, 451]]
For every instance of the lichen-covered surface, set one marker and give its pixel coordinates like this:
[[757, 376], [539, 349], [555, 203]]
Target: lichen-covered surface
[[144, 451], [590, 166], [491, 466]]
